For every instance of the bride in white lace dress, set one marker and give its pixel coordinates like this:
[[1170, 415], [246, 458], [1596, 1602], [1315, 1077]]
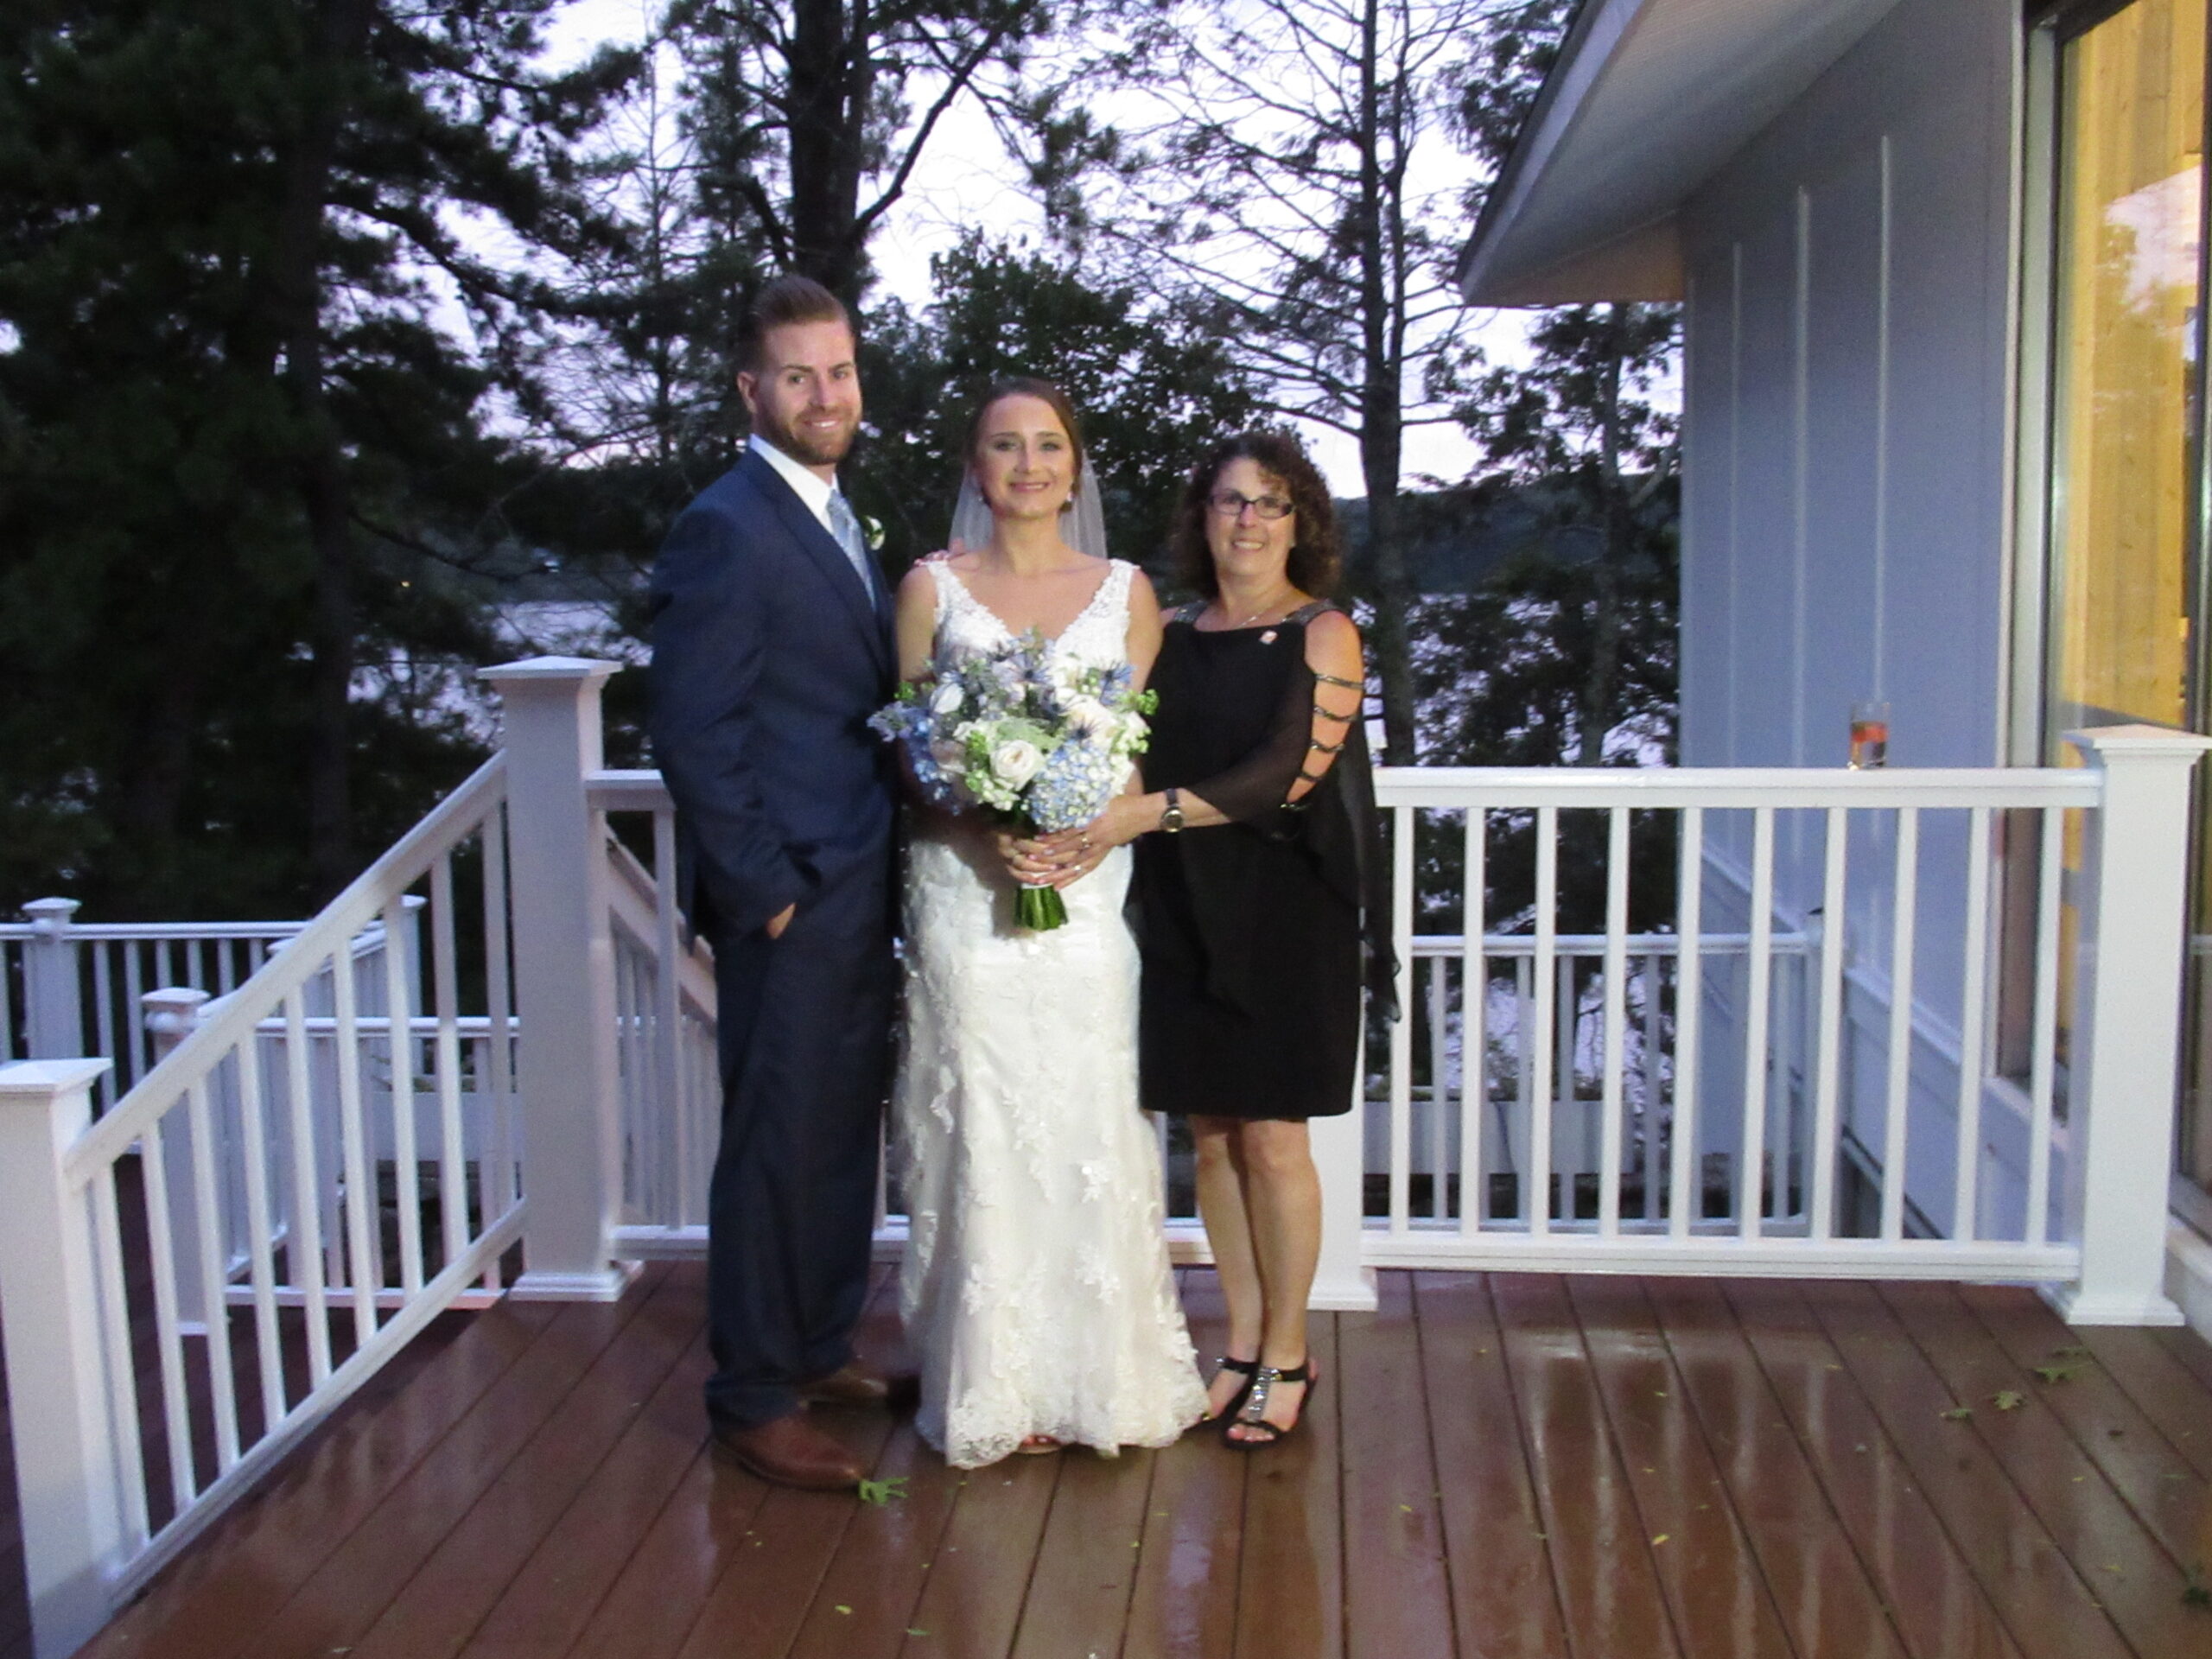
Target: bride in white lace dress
[[1035, 1286]]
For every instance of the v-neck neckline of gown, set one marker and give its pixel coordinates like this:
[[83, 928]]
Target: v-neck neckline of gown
[[1004, 627]]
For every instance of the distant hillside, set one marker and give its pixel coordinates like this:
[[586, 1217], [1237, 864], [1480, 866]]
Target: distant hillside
[[1457, 539]]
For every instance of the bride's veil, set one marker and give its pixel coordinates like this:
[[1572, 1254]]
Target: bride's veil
[[1082, 522]]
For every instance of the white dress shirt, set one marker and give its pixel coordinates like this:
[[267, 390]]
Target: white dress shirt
[[810, 485]]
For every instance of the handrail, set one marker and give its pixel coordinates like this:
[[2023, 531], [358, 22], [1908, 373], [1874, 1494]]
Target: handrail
[[632, 791], [1524, 788], [112, 932]]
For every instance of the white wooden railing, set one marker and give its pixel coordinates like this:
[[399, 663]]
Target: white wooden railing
[[1748, 1086], [72, 988], [311, 1152], [1790, 1067]]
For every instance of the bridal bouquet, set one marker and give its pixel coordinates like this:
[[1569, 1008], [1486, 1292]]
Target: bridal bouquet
[[1042, 744]]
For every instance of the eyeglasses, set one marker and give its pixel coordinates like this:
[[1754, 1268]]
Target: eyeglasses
[[1229, 504]]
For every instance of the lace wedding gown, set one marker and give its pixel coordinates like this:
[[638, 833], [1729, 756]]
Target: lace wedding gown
[[1035, 1285]]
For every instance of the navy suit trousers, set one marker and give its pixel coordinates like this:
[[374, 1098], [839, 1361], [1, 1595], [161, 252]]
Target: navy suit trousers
[[805, 1035]]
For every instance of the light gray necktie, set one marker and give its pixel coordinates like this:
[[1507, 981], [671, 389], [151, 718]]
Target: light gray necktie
[[845, 524]]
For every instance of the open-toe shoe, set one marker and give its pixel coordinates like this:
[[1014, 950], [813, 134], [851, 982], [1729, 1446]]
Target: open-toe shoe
[[1251, 1417]]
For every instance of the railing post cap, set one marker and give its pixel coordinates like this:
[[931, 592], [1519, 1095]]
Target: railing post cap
[[2139, 739], [174, 1010], [530, 670], [43, 1079], [52, 912]]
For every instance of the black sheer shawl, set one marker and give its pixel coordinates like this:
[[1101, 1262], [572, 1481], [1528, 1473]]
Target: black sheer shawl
[[1336, 823]]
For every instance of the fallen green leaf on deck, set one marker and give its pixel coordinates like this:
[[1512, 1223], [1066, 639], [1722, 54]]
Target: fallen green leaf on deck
[[1957, 1413], [880, 1492], [2008, 1399], [2054, 1373]]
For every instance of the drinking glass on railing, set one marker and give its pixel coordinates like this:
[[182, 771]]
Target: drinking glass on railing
[[1869, 735]]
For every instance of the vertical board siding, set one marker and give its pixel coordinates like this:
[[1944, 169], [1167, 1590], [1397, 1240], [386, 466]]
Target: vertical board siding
[[1846, 446]]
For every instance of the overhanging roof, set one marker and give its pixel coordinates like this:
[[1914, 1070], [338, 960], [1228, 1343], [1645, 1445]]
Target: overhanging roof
[[1647, 99]]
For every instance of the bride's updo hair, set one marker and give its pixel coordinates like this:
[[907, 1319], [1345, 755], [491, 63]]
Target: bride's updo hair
[[1316, 556], [1027, 385]]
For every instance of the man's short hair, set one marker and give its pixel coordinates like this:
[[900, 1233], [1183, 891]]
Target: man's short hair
[[781, 302]]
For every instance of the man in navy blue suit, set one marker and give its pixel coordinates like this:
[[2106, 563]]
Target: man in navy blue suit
[[772, 647]]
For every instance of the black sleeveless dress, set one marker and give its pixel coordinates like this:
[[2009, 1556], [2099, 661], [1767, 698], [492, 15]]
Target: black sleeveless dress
[[1254, 932]]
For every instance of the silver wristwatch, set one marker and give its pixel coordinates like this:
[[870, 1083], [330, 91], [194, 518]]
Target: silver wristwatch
[[1171, 816]]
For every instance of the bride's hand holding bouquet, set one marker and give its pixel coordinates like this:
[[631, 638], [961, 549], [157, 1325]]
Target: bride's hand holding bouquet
[[1040, 744]]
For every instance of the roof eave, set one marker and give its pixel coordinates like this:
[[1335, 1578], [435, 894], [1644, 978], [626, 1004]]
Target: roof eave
[[1645, 263], [1603, 22]]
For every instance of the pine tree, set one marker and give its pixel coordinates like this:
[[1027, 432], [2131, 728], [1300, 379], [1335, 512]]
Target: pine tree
[[249, 404]]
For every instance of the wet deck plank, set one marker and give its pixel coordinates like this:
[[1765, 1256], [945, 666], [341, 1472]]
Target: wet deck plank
[[1483, 1474], [1829, 1603], [1504, 1600]]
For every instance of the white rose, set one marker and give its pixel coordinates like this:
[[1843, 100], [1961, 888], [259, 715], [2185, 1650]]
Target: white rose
[[947, 699], [950, 757], [1090, 717], [1015, 761]]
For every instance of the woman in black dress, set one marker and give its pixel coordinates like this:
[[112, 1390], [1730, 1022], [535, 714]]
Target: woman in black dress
[[1251, 875]]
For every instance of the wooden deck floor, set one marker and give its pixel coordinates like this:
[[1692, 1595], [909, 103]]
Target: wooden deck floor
[[1497, 1465]]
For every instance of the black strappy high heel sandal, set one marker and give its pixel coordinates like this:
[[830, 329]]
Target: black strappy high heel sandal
[[1249, 1416], [1243, 1368]]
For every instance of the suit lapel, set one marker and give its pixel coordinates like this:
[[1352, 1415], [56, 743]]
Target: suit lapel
[[821, 547]]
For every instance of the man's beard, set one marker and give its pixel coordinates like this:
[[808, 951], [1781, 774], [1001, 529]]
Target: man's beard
[[803, 446]]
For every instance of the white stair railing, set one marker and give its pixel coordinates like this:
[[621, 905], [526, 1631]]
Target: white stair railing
[[331, 1137]]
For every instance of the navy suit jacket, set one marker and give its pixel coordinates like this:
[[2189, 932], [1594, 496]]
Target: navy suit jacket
[[768, 657]]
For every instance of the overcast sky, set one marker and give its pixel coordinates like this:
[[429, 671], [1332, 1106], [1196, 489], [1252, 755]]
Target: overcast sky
[[964, 180]]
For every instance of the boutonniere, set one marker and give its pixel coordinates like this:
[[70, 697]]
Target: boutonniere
[[873, 529]]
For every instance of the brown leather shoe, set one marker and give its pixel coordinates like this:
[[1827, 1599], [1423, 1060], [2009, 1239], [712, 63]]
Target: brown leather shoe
[[789, 1451], [857, 1384]]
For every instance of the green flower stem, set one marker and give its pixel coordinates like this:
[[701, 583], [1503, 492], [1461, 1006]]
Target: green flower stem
[[1040, 909]]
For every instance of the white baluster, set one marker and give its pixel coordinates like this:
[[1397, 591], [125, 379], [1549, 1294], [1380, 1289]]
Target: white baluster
[[1614, 1035], [1904, 914], [169, 1016], [1474, 1027], [1538, 1035], [1828, 1037], [1685, 1198], [1401, 1034]]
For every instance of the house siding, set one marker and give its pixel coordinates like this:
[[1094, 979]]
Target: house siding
[[1847, 391], [1847, 464]]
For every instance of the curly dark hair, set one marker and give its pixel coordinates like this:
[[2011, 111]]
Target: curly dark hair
[[1317, 553]]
